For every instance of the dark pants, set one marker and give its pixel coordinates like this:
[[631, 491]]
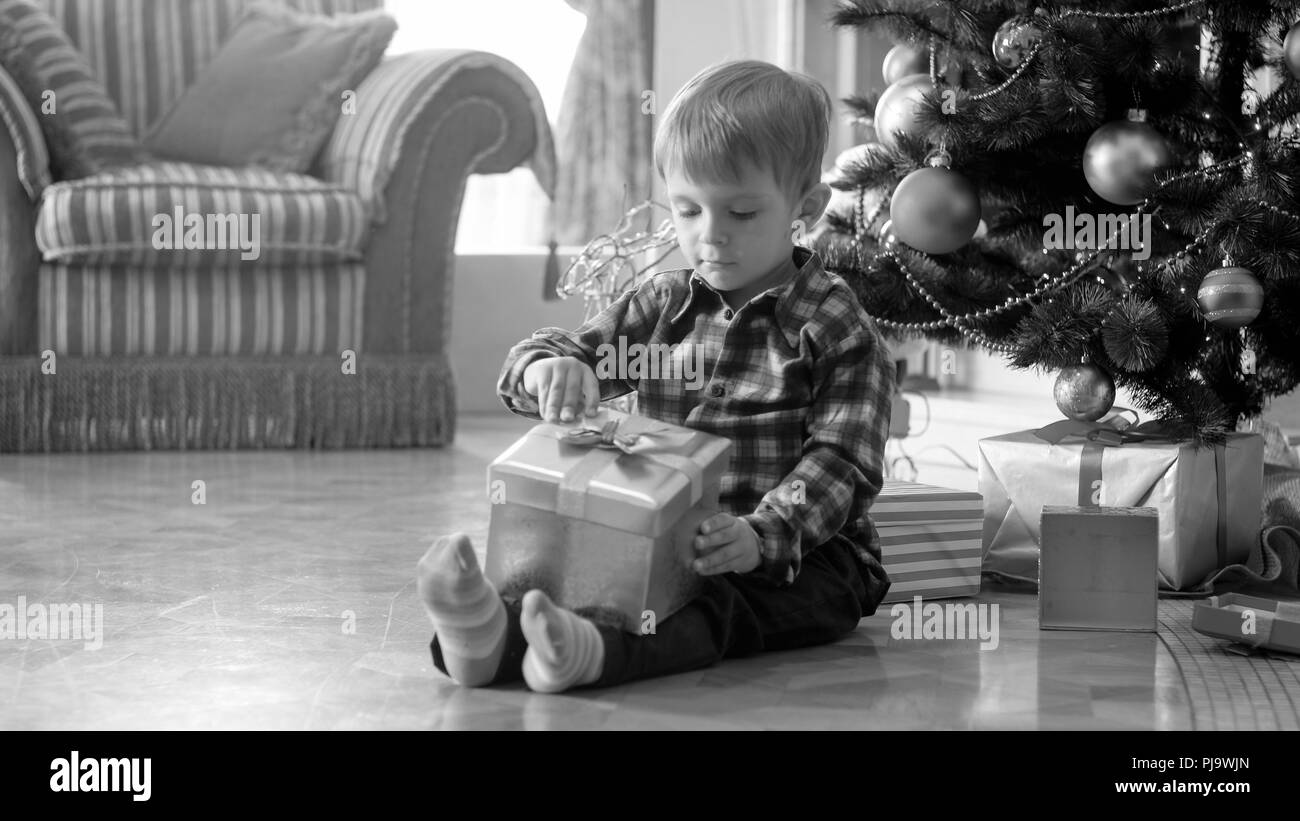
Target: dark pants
[[734, 616]]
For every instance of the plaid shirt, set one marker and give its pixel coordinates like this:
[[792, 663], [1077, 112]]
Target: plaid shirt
[[798, 379]]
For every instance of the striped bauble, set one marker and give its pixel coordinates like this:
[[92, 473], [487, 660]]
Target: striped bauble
[[1230, 297]]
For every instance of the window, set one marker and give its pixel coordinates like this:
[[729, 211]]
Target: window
[[500, 211]]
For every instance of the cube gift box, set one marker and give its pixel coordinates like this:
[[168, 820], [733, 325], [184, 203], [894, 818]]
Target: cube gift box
[[1098, 568], [602, 512], [929, 540]]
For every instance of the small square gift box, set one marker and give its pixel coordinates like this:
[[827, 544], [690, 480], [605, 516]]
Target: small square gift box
[[1207, 497], [602, 512], [929, 540], [1098, 568]]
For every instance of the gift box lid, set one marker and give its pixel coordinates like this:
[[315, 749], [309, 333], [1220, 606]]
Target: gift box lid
[[1256, 622], [909, 503], [644, 491]]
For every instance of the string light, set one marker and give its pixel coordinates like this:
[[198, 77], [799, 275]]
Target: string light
[[593, 270]]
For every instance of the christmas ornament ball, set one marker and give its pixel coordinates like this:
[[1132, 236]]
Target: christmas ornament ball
[[1291, 50], [896, 108], [902, 60], [1121, 160], [1084, 392], [1014, 40], [935, 210], [1230, 297]]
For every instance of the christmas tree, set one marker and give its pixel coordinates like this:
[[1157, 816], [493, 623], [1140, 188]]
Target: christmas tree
[[1102, 189]]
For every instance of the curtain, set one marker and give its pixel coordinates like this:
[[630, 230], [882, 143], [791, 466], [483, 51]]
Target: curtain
[[606, 122]]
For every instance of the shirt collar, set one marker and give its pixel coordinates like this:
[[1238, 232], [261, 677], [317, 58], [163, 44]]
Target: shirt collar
[[796, 299]]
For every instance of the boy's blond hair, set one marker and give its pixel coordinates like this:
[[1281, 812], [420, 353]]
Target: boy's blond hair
[[746, 110]]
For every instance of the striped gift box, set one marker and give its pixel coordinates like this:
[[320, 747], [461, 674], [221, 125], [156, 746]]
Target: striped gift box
[[931, 539]]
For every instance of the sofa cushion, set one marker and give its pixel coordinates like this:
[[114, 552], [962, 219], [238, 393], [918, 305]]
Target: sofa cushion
[[147, 53], [196, 217], [122, 310], [84, 131], [274, 92]]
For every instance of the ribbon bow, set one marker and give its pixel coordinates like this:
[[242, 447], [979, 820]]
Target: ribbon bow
[[606, 437], [1108, 434], [663, 445], [645, 442]]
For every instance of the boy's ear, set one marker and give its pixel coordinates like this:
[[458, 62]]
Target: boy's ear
[[814, 203]]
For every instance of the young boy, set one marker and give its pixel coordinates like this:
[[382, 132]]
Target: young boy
[[798, 379]]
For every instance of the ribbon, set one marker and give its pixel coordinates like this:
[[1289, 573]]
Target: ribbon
[[1097, 436], [661, 444], [1109, 434]]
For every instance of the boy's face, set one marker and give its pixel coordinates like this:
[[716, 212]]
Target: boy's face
[[736, 234]]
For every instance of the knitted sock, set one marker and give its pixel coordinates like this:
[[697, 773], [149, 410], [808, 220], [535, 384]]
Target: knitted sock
[[564, 649], [466, 611]]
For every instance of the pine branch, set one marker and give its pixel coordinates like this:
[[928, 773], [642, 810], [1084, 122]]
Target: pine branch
[[895, 18]]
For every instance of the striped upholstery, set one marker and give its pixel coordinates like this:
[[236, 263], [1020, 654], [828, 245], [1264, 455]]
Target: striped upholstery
[[114, 217], [96, 311], [25, 132], [365, 148], [147, 52], [83, 128]]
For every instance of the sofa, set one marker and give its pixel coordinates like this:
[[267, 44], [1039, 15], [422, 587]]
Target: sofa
[[335, 338]]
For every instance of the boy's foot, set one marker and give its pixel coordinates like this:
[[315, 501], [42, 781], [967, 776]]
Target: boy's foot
[[467, 613], [564, 649]]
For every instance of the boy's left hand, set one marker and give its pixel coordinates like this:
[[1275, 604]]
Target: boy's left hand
[[725, 544]]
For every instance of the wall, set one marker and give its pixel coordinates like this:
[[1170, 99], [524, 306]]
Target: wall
[[795, 34], [497, 301]]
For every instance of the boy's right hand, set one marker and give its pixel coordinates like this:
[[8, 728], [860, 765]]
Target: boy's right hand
[[562, 385]]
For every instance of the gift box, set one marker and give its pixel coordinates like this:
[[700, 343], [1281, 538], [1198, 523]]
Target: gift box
[[602, 512], [929, 540], [1098, 568], [1208, 498]]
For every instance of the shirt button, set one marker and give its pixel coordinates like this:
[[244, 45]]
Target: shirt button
[[717, 390], [727, 314]]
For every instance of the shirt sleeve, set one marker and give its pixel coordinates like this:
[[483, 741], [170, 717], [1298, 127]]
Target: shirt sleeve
[[841, 470], [632, 316]]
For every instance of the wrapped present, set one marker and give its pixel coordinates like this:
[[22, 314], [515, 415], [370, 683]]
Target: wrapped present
[[1098, 568], [929, 540], [602, 512], [1208, 498]]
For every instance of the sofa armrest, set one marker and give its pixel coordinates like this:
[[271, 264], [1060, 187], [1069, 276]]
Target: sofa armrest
[[31, 157], [20, 259], [423, 123], [379, 137]]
